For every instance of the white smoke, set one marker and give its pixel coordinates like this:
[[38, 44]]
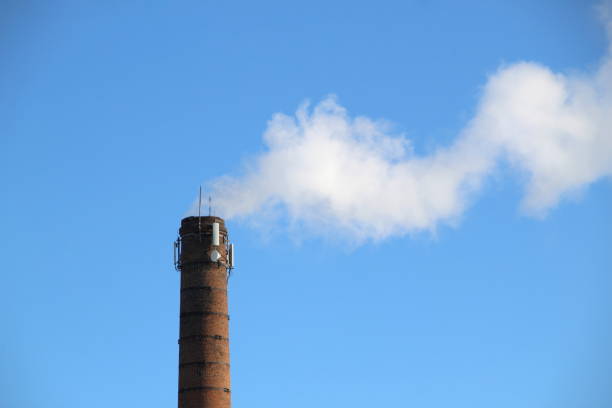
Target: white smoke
[[352, 175]]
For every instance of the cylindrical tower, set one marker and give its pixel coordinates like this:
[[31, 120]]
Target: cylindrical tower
[[204, 363]]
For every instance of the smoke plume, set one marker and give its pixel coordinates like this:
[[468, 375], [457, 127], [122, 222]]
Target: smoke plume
[[353, 175]]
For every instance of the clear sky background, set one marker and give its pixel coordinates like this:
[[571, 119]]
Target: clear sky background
[[111, 115]]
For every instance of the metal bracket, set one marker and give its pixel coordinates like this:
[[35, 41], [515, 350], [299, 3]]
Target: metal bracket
[[177, 254]]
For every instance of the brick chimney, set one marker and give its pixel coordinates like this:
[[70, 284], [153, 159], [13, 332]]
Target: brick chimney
[[204, 360]]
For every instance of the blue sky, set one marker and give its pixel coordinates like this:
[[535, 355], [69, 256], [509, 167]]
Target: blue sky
[[113, 114]]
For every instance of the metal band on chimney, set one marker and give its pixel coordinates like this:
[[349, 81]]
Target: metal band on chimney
[[206, 313], [204, 388], [202, 338], [202, 363]]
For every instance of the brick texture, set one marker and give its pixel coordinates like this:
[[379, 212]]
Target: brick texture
[[204, 369]]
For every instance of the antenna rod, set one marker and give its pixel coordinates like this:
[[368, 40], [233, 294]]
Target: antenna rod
[[199, 211], [209, 206]]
